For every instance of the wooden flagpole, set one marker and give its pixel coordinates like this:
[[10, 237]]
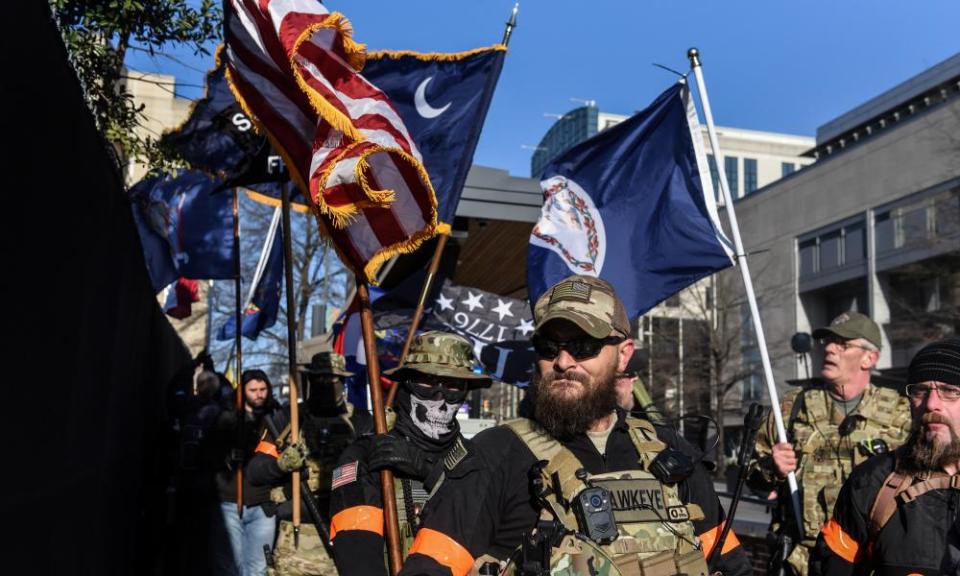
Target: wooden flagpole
[[390, 518], [238, 322], [291, 348]]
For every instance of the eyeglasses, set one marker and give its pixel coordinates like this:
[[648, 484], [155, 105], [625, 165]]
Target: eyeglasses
[[580, 349], [844, 344], [946, 392]]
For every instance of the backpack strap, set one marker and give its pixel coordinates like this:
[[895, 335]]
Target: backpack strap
[[936, 483], [901, 489], [798, 405], [885, 504]]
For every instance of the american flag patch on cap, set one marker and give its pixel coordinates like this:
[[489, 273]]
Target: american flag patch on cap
[[344, 474], [571, 290]]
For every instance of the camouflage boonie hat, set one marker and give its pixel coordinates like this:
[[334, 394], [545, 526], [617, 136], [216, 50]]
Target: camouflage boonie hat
[[590, 303], [851, 325], [327, 363], [441, 354]]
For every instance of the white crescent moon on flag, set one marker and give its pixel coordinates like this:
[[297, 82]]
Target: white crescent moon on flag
[[420, 101]]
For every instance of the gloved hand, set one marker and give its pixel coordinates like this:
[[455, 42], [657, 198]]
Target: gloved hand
[[399, 455], [293, 456]]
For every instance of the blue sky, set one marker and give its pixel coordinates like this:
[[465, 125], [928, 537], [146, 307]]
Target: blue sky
[[771, 65]]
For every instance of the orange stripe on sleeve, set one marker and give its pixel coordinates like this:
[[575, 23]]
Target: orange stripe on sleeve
[[841, 543], [709, 539], [267, 448], [367, 518], [444, 549]]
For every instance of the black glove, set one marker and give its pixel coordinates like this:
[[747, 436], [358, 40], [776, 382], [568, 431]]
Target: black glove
[[398, 455]]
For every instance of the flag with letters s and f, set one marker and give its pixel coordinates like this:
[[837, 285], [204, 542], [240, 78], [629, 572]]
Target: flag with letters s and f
[[633, 205], [294, 68]]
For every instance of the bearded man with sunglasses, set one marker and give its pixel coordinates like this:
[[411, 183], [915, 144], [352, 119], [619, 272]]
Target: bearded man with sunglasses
[[899, 513], [439, 372], [833, 426], [582, 485]]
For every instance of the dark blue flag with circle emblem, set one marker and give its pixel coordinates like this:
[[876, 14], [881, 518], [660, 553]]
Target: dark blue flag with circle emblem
[[633, 205], [186, 231], [443, 101]]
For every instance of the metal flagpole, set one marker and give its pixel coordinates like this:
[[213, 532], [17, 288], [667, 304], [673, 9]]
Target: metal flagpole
[[694, 55]]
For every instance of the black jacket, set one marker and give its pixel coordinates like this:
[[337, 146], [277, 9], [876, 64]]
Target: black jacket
[[360, 551], [922, 537], [224, 442], [485, 505]]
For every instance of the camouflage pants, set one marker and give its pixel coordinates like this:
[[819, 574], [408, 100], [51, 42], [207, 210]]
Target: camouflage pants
[[800, 557], [310, 559]]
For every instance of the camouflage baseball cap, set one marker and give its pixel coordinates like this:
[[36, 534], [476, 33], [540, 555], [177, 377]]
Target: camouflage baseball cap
[[441, 354], [327, 363], [590, 303], [851, 325]]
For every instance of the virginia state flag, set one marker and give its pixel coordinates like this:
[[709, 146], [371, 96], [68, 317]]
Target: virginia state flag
[[185, 229], [262, 307], [633, 205], [443, 100]]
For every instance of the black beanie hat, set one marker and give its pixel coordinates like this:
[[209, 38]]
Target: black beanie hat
[[937, 362]]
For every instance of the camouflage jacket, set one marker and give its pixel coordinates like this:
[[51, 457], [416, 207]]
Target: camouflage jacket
[[825, 458]]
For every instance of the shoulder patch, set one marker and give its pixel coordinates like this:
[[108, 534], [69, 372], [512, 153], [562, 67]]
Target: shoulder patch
[[455, 455], [343, 475]]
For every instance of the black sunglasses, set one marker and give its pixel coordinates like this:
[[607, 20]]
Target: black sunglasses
[[427, 388], [580, 349]]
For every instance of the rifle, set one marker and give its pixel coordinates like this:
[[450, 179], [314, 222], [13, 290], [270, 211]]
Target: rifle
[[751, 425]]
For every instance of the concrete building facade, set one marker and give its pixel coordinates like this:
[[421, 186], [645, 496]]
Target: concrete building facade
[[872, 226]]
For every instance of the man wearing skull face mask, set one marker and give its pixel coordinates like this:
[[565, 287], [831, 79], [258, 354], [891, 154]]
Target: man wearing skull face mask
[[434, 382]]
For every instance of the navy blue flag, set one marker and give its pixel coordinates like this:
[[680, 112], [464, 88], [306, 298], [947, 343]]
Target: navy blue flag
[[443, 100], [633, 205], [218, 137], [261, 310], [185, 230]]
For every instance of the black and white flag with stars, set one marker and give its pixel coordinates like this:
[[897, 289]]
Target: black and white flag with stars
[[499, 327]]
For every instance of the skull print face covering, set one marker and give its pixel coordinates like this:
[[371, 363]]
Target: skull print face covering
[[431, 424]]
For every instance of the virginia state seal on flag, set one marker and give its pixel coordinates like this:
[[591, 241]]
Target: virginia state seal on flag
[[570, 225]]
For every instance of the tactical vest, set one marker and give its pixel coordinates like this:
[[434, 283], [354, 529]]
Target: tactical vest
[[411, 497], [656, 533], [826, 458]]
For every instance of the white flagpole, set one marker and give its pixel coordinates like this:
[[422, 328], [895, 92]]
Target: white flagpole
[[694, 55]]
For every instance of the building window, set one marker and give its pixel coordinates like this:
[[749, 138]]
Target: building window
[[714, 174], [787, 168], [749, 175], [808, 257], [731, 167], [854, 244], [830, 256], [834, 248]]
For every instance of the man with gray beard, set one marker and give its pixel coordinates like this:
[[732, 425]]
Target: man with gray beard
[[898, 512], [590, 488]]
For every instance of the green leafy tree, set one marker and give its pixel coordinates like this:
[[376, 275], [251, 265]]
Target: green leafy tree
[[98, 35]]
